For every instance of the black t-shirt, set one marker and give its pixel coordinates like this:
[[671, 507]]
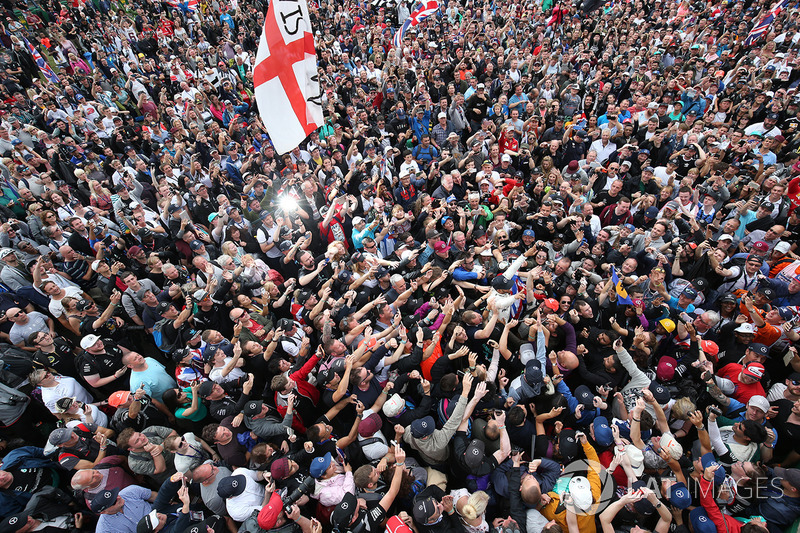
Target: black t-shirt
[[371, 519], [232, 453], [61, 360], [30, 479], [104, 365], [148, 415]]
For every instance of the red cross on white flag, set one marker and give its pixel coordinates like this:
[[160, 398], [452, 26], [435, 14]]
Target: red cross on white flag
[[285, 76]]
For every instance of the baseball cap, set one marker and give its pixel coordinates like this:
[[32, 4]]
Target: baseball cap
[[708, 460], [761, 246], [268, 515], [746, 328], [791, 475], [533, 375], [252, 408], [370, 425], [679, 496], [424, 510], [759, 348], [103, 500], [13, 523], [88, 341], [279, 468], [709, 347], [660, 392], [440, 247], [423, 427], [602, 431], [689, 292], [754, 370], [671, 445], [205, 389], [474, 455], [319, 465], [59, 436], [665, 370], [231, 486], [651, 212], [760, 402], [118, 398], [584, 396], [581, 492], [394, 406], [667, 324], [343, 513], [567, 444], [785, 313]]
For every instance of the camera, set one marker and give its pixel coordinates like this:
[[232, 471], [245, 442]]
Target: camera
[[304, 488]]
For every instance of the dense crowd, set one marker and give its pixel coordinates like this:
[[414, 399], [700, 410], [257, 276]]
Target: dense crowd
[[536, 272]]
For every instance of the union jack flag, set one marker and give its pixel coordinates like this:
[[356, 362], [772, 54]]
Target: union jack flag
[[42, 64], [423, 10], [761, 28], [185, 6]]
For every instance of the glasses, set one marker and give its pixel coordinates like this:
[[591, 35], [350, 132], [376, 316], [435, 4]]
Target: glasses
[[18, 314]]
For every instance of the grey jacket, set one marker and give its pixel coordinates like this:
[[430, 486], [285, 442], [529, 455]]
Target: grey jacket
[[436, 448]]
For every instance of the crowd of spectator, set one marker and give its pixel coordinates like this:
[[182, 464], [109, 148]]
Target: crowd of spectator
[[538, 271]]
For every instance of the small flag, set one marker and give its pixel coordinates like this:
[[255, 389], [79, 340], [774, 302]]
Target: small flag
[[761, 28], [423, 10], [285, 76], [622, 294], [43, 65]]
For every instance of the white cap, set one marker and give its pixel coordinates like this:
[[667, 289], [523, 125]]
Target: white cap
[[636, 458], [783, 247], [747, 327], [725, 237], [581, 492], [442, 115], [394, 406], [672, 446], [506, 157], [95, 264], [760, 402], [357, 220], [88, 341]]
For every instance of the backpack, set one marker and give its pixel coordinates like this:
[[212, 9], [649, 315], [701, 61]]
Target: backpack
[[159, 338]]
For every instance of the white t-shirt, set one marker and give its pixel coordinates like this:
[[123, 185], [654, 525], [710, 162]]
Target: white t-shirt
[[66, 387], [216, 373], [56, 307]]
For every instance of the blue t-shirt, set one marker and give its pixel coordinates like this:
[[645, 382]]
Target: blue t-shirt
[[155, 380]]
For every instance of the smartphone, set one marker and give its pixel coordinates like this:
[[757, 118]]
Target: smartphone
[[108, 239]]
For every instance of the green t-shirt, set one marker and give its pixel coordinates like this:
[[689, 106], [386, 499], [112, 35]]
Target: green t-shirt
[[198, 415]]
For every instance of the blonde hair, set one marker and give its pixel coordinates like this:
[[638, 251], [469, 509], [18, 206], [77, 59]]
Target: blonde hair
[[475, 506], [682, 407]]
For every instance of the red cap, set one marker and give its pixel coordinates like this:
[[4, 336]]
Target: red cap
[[665, 370], [761, 246], [279, 468], [551, 303], [370, 425], [754, 370], [268, 516], [709, 347]]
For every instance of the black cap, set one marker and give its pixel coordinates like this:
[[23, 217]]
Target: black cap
[[103, 500], [252, 407], [567, 445], [205, 388], [342, 515], [231, 486]]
